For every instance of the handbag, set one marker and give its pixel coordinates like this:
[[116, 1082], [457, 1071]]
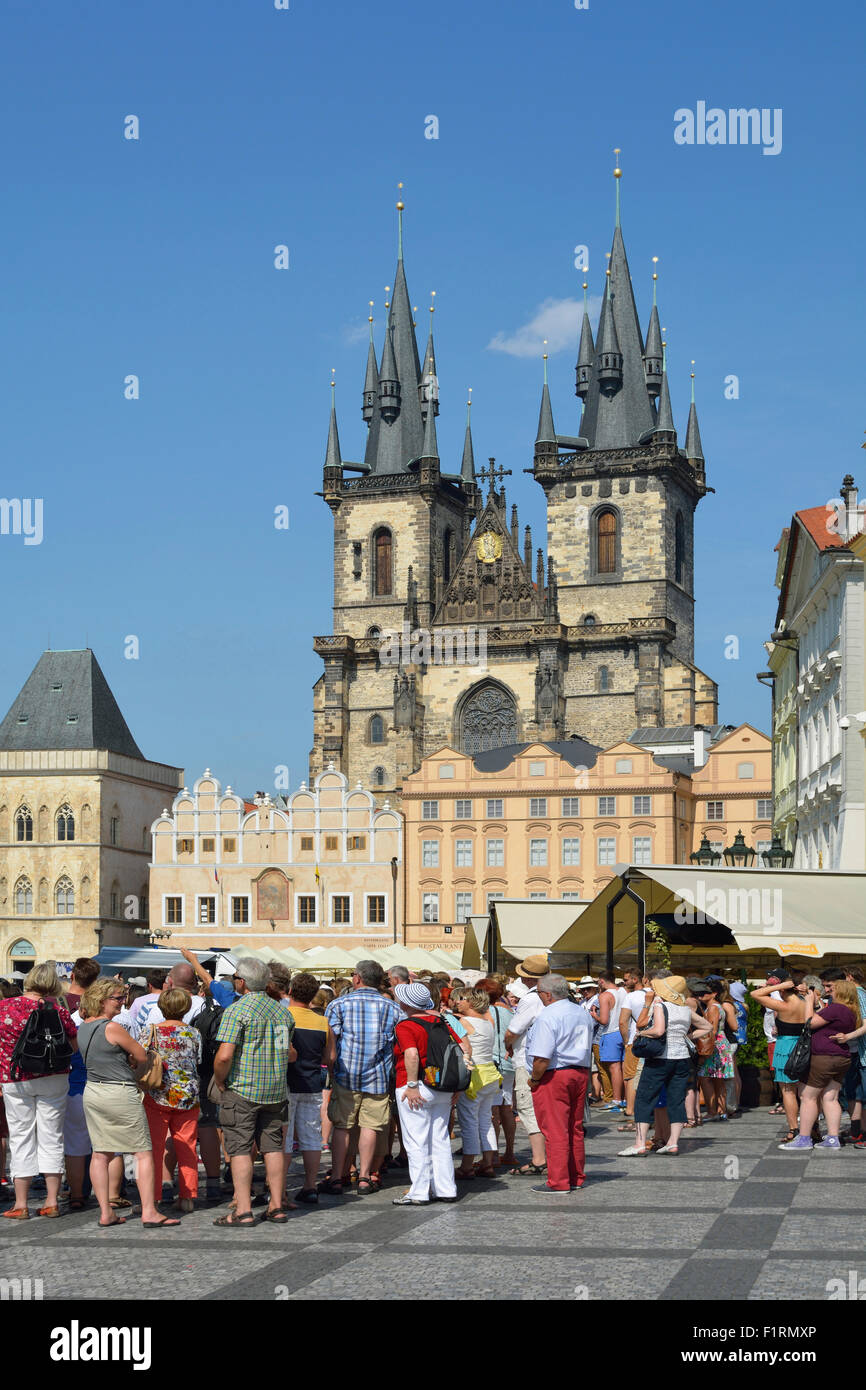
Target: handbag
[[650, 1047], [151, 1078], [705, 1044], [482, 1075], [800, 1058]]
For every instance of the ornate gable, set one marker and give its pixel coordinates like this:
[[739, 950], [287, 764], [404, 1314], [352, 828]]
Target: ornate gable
[[491, 583]]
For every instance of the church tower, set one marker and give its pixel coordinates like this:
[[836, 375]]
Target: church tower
[[621, 498]]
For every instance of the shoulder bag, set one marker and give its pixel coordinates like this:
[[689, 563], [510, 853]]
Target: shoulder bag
[[151, 1079], [705, 1044], [800, 1058], [650, 1047]]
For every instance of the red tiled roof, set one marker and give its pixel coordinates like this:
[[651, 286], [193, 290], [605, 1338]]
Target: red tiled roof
[[818, 521]]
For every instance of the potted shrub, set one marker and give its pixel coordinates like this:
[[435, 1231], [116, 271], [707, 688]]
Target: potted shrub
[[753, 1060]]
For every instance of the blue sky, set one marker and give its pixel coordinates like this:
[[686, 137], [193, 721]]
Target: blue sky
[[261, 127]]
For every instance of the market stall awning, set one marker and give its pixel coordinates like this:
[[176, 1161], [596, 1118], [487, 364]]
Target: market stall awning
[[527, 927], [792, 912], [475, 942]]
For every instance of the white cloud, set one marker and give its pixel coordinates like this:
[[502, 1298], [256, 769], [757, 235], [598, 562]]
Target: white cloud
[[354, 333], [557, 320]]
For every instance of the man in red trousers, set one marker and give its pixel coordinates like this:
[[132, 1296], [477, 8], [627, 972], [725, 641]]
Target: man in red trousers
[[559, 1053]]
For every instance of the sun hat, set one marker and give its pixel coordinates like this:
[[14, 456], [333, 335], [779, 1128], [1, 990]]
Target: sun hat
[[517, 988], [672, 989], [587, 982], [416, 995], [533, 968]]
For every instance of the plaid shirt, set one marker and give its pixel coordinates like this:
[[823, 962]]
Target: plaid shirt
[[363, 1023], [261, 1029]]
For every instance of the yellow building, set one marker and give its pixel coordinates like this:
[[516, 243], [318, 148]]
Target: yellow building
[[857, 546], [320, 868], [551, 820], [77, 798]]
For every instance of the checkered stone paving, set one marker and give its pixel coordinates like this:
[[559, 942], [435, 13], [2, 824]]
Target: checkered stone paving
[[729, 1218]]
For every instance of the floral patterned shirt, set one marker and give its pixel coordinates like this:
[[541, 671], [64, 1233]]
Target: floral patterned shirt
[[179, 1046], [13, 1015]]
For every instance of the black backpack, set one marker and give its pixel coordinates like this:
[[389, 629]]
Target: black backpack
[[446, 1068], [207, 1021], [42, 1049]]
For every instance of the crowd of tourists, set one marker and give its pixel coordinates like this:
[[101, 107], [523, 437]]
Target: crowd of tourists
[[105, 1081]]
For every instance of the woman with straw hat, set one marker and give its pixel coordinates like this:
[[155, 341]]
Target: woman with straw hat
[[669, 1018]]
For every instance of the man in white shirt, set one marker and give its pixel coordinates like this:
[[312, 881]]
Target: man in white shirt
[[531, 970], [182, 976], [559, 1052], [630, 1012], [611, 1049]]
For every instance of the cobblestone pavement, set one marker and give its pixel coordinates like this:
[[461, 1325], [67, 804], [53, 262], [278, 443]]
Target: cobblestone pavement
[[731, 1217]]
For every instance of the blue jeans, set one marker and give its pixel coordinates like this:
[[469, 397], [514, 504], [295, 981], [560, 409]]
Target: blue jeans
[[672, 1073]]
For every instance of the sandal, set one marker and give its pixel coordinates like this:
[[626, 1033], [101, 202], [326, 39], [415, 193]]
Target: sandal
[[119, 1204], [330, 1187], [17, 1214], [232, 1220], [278, 1216], [118, 1221], [365, 1185], [77, 1204], [627, 1128], [529, 1170], [48, 1211], [166, 1221]]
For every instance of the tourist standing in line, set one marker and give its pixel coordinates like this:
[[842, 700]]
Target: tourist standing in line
[[476, 1115], [424, 1112], [789, 1006], [632, 1008], [530, 970], [611, 1049], [717, 1069], [832, 1027], [503, 1112], [113, 1104], [173, 1109], [35, 1103], [559, 1052], [363, 1022], [666, 1015], [316, 1053]]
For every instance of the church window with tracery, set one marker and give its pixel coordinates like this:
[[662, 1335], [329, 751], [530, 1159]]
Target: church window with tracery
[[488, 720], [23, 824]]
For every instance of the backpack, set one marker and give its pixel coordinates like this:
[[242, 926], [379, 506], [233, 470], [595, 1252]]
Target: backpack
[[742, 1021], [42, 1047], [207, 1021], [446, 1068]]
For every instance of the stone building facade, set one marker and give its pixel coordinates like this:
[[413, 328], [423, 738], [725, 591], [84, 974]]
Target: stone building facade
[[551, 820], [77, 798], [593, 640], [321, 868]]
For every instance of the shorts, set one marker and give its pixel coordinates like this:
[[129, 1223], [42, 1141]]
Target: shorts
[[611, 1047], [349, 1108], [244, 1123], [523, 1098], [824, 1069], [632, 1065], [507, 1089], [76, 1138], [305, 1121], [854, 1081]]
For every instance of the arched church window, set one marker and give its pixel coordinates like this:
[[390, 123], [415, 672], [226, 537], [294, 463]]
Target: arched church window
[[679, 547], [377, 729], [589, 620], [64, 896], [382, 546], [606, 542], [488, 719], [603, 679], [65, 823], [374, 632], [378, 776], [23, 897], [23, 824]]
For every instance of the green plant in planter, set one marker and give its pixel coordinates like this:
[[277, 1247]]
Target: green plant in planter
[[659, 938]]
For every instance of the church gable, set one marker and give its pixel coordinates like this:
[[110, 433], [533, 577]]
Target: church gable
[[491, 583]]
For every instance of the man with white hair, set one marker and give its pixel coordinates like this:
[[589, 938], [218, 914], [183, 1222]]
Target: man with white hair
[[255, 1048], [559, 1053]]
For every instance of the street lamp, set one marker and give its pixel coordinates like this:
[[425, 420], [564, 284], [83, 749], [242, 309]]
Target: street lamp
[[705, 855], [777, 857], [738, 855]]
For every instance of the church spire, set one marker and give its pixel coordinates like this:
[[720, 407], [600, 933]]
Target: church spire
[[467, 467], [546, 432], [694, 451], [585, 353], [396, 435], [665, 423], [429, 389], [653, 356], [430, 447], [371, 380], [333, 458], [608, 355]]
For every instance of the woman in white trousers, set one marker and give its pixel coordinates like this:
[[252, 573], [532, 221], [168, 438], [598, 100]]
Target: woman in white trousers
[[476, 1116], [424, 1113]]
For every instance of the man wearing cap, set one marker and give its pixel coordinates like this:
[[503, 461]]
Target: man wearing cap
[[424, 1112], [559, 1052], [531, 970]]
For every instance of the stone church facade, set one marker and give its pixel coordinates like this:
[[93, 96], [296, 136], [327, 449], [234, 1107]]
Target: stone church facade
[[594, 641]]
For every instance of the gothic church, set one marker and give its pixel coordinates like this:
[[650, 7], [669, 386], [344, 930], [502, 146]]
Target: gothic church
[[596, 642]]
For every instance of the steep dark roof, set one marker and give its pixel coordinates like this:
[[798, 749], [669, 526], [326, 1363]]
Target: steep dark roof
[[619, 420], [391, 447], [572, 750], [679, 733], [676, 762], [66, 703]]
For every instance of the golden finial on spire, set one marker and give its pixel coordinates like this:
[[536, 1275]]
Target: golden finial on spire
[[617, 173], [387, 301], [370, 315], [400, 203]]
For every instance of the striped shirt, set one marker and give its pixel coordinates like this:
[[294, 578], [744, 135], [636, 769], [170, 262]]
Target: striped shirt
[[261, 1030], [363, 1022]]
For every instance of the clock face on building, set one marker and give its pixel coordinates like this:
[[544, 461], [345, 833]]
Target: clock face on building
[[488, 547]]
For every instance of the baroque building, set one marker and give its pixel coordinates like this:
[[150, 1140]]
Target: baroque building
[[593, 641], [77, 798]]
